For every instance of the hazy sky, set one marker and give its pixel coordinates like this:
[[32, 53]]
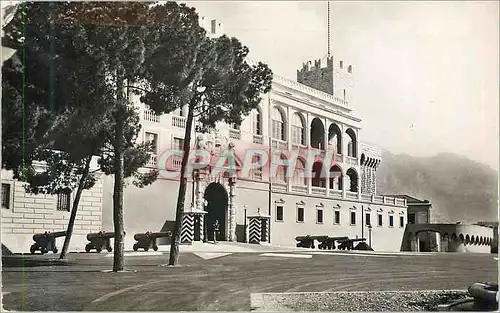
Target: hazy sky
[[426, 73]]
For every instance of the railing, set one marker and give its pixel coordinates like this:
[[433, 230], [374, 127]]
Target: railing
[[152, 160], [366, 197], [234, 134], [378, 199], [176, 163], [299, 188], [258, 139], [310, 91], [400, 202], [335, 193], [179, 121], [279, 186], [298, 147], [257, 174], [278, 144], [389, 200], [351, 195], [150, 115], [318, 190]]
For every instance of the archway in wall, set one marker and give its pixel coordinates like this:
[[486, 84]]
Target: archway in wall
[[218, 203], [336, 178], [318, 175], [335, 138], [353, 179], [317, 134], [429, 240]]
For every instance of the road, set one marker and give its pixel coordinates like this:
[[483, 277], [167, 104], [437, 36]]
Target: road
[[216, 282]]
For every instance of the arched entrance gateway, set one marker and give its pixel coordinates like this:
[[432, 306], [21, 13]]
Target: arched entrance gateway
[[217, 207]]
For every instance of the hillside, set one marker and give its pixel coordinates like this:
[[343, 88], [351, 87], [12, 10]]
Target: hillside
[[459, 189]]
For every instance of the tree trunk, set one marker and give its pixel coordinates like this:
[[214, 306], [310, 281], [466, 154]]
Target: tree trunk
[[74, 209], [118, 262], [176, 234]]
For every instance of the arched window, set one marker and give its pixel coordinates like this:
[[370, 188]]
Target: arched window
[[278, 129], [298, 129], [281, 170], [256, 122], [300, 177]]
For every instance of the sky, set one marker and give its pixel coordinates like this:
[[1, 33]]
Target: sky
[[425, 73]]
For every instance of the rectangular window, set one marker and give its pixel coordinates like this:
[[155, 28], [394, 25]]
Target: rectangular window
[[300, 214], [6, 196], [178, 144], [391, 221], [367, 219], [337, 217], [64, 201], [153, 138], [401, 221], [411, 218], [279, 213], [380, 220], [319, 216], [353, 218]]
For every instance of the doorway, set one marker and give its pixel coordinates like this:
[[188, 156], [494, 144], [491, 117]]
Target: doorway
[[218, 202]]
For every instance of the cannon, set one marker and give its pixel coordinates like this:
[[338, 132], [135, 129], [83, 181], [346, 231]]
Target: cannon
[[329, 242], [349, 243], [148, 240], [99, 240], [46, 242], [305, 242]]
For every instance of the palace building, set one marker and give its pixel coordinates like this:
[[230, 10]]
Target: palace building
[[310, 114], [332, 194]]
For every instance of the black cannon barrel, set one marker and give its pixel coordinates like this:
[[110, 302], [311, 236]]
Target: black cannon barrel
[[300, 238], [339, 238], [100, 235], [49, 234], [59, 233], [161, 234]]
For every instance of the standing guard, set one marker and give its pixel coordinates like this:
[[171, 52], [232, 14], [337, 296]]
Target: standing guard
[[216, 230]]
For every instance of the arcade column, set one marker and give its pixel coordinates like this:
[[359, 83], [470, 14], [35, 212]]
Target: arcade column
[[258, 228]]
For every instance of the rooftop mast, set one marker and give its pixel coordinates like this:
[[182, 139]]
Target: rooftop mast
[[328, 30]]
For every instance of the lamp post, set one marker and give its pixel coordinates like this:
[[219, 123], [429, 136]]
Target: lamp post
[[205, 230], [370, 235]]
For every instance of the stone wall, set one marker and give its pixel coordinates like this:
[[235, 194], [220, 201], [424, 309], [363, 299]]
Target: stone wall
[[29, 214]]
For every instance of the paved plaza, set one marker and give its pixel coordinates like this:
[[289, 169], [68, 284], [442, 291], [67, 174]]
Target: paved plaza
[[223, 278]]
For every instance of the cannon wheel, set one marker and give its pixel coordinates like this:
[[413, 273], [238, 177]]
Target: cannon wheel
[[54, 250], [87, 248], [98, 250], [135, 247], [33, 249]]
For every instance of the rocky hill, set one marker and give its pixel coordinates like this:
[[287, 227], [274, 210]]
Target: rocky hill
[[459, 189]]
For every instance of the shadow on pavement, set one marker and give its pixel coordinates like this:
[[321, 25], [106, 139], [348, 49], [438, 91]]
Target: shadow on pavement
[[22, 261]]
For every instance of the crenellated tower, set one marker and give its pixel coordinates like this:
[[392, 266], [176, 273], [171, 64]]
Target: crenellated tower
[[335, 78]]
